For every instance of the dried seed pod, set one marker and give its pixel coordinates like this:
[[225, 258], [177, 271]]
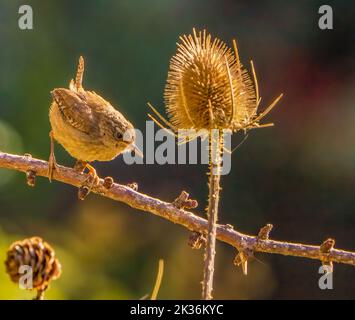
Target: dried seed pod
[[38, 255], [208, 88], [200, 91]]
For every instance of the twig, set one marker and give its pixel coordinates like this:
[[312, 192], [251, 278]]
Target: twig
[[169, 212]]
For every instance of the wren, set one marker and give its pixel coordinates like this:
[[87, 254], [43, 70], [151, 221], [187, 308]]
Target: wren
[[87, 126]]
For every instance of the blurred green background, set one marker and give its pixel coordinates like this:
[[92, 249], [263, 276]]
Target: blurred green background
[[298, 175]]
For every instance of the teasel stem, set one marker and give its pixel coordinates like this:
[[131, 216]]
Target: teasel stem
[[39, 295], [215, 151]]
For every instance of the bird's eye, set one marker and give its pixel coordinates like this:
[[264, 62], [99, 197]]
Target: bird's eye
[[118, 135]]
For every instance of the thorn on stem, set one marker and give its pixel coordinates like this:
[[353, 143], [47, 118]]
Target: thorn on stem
[[196, 240], [108, 183], [31, 178], [183, 201], [264, 232]]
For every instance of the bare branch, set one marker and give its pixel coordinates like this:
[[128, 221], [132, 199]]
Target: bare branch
[[168, 211]]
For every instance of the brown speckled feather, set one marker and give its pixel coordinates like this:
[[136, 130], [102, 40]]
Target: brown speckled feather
[[74, 108]]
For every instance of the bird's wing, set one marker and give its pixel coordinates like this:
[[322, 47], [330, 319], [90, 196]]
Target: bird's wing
[[74, 108], [96, 102]]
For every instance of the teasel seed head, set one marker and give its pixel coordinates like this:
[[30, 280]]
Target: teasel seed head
[[37, 254], [208, 88]]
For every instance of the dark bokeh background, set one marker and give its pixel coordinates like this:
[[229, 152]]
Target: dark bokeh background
[[298, 175]]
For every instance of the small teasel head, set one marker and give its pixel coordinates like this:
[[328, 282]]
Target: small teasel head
[[198, 93], [208, 88]]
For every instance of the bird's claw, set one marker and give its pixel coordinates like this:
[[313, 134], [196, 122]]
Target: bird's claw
[[52, 164], [93, 179]]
